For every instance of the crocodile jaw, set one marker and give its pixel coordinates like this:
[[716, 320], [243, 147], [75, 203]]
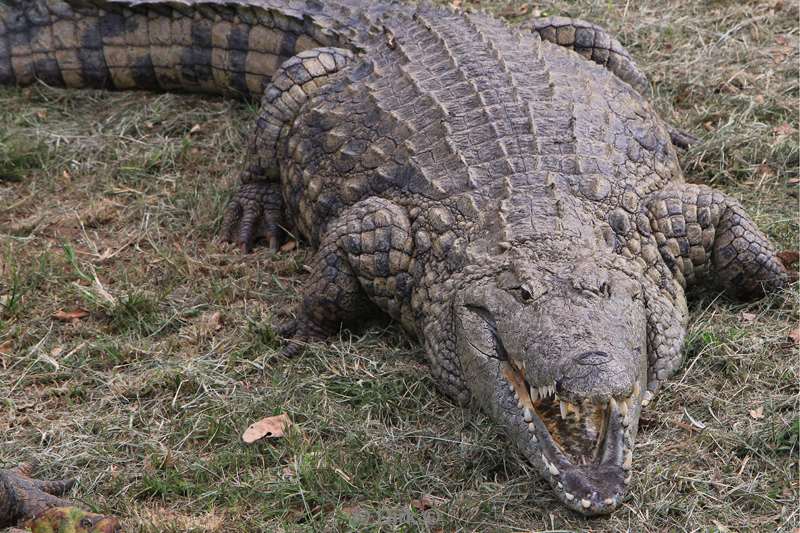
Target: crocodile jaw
[[590, 483]]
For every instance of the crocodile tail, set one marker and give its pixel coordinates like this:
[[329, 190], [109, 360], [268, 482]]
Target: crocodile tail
[[210, 46]]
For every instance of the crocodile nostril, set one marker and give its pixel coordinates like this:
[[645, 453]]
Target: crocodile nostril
[[592, 358]]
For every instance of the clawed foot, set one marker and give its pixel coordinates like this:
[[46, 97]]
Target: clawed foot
[[297, 334], [38, 505], [681, 139], [253, 214]]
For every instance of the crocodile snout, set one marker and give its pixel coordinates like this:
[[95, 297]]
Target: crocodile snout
[[594, 374]]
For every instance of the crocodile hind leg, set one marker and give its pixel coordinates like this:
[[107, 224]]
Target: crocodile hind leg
[[255, 212], [594, 43], [702, 233], [362, 261]]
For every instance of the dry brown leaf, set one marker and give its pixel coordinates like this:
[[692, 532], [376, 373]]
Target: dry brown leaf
[[214, 322], [764, 171], [783, 130], [426, 502], [6, 347], [757, 413], [794, 335], [788, 257], [288, 246], [455, 3], [748, 317], [270, 427], [70, 316]]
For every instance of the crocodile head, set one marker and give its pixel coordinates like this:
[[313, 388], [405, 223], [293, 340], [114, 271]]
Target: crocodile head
[[558, 356]]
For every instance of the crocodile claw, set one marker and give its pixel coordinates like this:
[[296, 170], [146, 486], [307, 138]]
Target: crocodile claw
[[254, 214], [37, 504], [298, 334]]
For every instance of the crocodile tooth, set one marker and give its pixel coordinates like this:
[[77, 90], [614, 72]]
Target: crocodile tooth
[[613, 404], [511, 387], [534, 393], [623, 408], [534, 438], [560, 485], [586, 503], [569, 496], [528, 415], [553, 470], [626, 420], [563, 407], [519, 403], [636, 389]]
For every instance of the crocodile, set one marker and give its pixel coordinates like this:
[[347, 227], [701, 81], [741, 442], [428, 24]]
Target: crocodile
[[507, 194], [37, 506]]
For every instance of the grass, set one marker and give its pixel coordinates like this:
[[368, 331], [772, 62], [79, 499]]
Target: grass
[[110, 203]]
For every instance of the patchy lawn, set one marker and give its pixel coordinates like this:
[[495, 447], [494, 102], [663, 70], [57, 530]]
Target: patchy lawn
[[109, 205]]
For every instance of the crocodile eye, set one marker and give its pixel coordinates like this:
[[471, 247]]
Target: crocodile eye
[[525, 295], [86, 523]]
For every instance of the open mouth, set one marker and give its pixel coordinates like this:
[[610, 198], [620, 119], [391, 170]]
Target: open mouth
[[586, 445]]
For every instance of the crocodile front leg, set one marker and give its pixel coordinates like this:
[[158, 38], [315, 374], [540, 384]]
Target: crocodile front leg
[[256, 210], [362, 261], [702, 233], [37, 505]]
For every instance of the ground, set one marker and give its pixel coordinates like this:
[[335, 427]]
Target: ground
[[135, 349]]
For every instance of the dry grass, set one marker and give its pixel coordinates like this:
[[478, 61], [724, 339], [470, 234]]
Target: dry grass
[[110, 203]]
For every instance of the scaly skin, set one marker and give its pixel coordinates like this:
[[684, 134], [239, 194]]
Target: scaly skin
[[36, 505], [519, 209]]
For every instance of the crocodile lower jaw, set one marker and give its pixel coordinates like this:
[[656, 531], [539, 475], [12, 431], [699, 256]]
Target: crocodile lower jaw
[[592, 484]]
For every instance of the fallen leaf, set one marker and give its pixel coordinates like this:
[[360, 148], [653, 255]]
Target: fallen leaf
[[214, 322], [758, 413], [783, 130], [269, 427], [426, 502], [780, 39], [764, 171], [788, 257], [195, 128], [6, 347], [455, 3], [288, 246], [759, 98], [748, 317], [794, 335], [70, 316], [57, 351]]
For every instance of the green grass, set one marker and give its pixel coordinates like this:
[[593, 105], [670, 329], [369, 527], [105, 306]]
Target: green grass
[[111, 203]]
